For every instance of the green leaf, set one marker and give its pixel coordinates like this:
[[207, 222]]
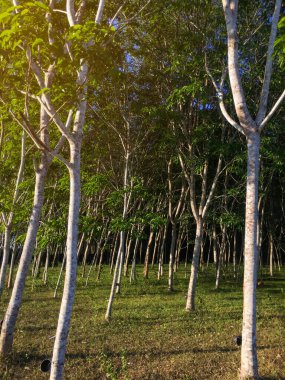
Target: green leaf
[[43, 91], [37, 42]]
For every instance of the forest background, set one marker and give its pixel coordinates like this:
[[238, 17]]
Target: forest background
[[118, 148]]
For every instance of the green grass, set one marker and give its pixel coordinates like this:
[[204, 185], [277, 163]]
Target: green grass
[[150, 336]]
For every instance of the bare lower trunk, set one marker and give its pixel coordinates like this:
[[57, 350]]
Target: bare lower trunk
[[71, 267], [133, 274], [178, 250], [113, 288], [103, 249], [37, 265], [235, 254], [190, 303], [171, 257], [126, 265], [60, 275], [87, 248], [10, 280], [161, 254], [9, 222], [114, 250], [221, 258], [122, 256], [271, 254], [8, 326], [156, 245], [45, 274], [215, 244], [5, 258], [249, 366], [146, 261]]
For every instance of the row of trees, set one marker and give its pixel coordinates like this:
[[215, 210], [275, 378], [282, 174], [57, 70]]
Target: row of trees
[[163, 175]]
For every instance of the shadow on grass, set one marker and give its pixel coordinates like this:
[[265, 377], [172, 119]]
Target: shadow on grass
[[194, 350], [24, 358]]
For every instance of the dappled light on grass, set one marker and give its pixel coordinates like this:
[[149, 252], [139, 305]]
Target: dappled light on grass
[[150, 335]]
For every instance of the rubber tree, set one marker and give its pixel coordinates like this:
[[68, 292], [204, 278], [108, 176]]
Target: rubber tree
[[199, 211], [250, 128], [74, 141], [174, 213], [116, 283], [8, 219], [41, 169]]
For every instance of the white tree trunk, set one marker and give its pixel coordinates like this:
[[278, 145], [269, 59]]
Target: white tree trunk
[[221, 257], [249, 367], [10, 279], [114, 283], [146, 261], [8, 226], [8, 326], [171, 257], [190, 303], [251, 129], [122, 254], [71, 266], [5, 257]]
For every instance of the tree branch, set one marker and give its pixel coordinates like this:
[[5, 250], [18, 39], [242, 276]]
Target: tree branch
[[70, 12], [268, 67], [245, 119], [213, 188], [273, 110], [220, 95], [99, 13], [190, 180]]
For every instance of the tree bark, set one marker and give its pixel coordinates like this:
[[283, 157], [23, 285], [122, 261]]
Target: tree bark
[[8, 225], [190, 303], [171, 257], [249, 366], [146, 261], [9, 322], [5, 257], [71, 265], [10, 279]]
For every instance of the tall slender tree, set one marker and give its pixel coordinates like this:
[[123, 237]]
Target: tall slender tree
[[251, 129]]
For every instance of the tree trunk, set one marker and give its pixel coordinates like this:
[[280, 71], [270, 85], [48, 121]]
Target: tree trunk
[[100, 265], [114, 250], [161, 253], [60, 274], [215, 244], [235, 253], [171, 257], [37, 265], [190, 303], [9, 322], [271, 248], [156, 245], [221, 257], [45, 274], [121, 261], [10, 279], [146, 261], [5, 257], [113, 288], [71, 265], [178, 249], [249, 366], [133, 270], [84, 260], [128, 244], [8, 226]]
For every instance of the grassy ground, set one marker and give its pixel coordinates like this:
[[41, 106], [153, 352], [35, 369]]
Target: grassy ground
[[150, 337]]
